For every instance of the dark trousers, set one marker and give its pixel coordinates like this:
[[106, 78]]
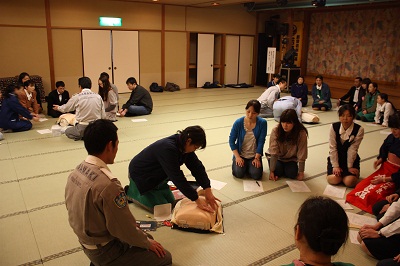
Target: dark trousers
[[117, 253], [19, 126], [286, 169], [248, 168]]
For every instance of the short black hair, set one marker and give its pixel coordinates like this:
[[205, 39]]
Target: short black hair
[[394, 120], [131, 80], [29, 82], [276, 75], [98, 134], [347, 107], [85, 83], [10, 89], [256, 105], [359, 78], [283, 80], [366, 81], [319, 77], [324, 224], [196, 134], [60, 84]]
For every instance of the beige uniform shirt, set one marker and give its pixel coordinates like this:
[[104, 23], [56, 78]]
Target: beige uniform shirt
[[97, 207], [89, 106]]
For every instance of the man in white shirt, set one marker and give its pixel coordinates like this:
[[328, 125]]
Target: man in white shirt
[[269, 96], [88, 107]]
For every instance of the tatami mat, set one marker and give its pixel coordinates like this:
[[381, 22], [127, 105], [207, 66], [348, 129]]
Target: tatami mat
[[34, 226]]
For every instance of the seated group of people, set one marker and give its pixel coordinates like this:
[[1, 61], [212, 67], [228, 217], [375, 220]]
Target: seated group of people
[[364, 96], [287, 154], [19, 104]]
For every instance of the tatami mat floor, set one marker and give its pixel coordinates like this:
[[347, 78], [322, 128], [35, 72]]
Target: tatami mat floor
[[34, 228]]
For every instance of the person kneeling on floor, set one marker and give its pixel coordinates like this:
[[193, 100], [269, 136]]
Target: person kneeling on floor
[[98, 210]]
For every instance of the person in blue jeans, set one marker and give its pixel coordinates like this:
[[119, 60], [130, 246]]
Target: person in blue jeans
[[140, 101], [247, 140]]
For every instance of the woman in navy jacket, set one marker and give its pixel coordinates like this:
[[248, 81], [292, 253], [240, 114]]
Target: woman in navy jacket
[[299, 90], [247, 140]]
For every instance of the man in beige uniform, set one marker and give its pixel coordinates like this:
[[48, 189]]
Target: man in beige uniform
[[98, 211]]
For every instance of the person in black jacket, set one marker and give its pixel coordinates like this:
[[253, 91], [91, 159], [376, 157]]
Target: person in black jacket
[[139, 103], [153, 167], [355, 95], [58, 96]]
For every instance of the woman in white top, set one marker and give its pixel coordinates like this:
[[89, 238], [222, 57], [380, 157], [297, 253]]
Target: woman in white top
[[344, 140], [109, 97], [384, 109]]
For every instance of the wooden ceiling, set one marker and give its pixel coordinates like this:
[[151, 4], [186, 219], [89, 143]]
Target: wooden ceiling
[[209, 3]]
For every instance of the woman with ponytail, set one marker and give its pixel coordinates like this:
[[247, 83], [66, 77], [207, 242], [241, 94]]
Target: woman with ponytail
[[153, 167]]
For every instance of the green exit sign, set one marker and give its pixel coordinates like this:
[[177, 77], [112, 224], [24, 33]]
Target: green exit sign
[[110, 22]]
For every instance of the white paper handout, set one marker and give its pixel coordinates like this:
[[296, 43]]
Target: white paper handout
[[43, 119], [137, 120], [334, 191], [253, 186], [353, 237], [344, 204], [357, 221], [218, 185], [44, 131], [298, 186]]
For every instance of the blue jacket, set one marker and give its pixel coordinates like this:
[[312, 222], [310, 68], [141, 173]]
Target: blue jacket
[[325, 95], [238, 132], [10, 111]]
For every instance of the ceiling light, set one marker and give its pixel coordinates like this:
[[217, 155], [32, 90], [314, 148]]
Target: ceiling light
[[215, 4]]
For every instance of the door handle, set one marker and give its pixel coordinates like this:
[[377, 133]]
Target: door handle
[[109, 68], [115, 67]]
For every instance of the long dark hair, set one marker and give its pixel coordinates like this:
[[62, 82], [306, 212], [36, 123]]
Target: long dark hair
[[290, 116], [103, 92]]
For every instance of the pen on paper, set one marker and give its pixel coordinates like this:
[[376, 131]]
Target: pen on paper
[[257, 183]]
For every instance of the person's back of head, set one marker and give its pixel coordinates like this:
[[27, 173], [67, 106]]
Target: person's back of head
[[98, 134], [324, 224], [10, 89], [281, 80], [85, 83], [394, 120]]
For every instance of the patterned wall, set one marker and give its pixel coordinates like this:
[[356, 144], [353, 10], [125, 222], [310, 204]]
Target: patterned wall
[[362, 43]]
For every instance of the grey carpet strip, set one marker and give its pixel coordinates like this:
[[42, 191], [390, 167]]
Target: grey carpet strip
[[274, 255], [209, 170], [52, 257]]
